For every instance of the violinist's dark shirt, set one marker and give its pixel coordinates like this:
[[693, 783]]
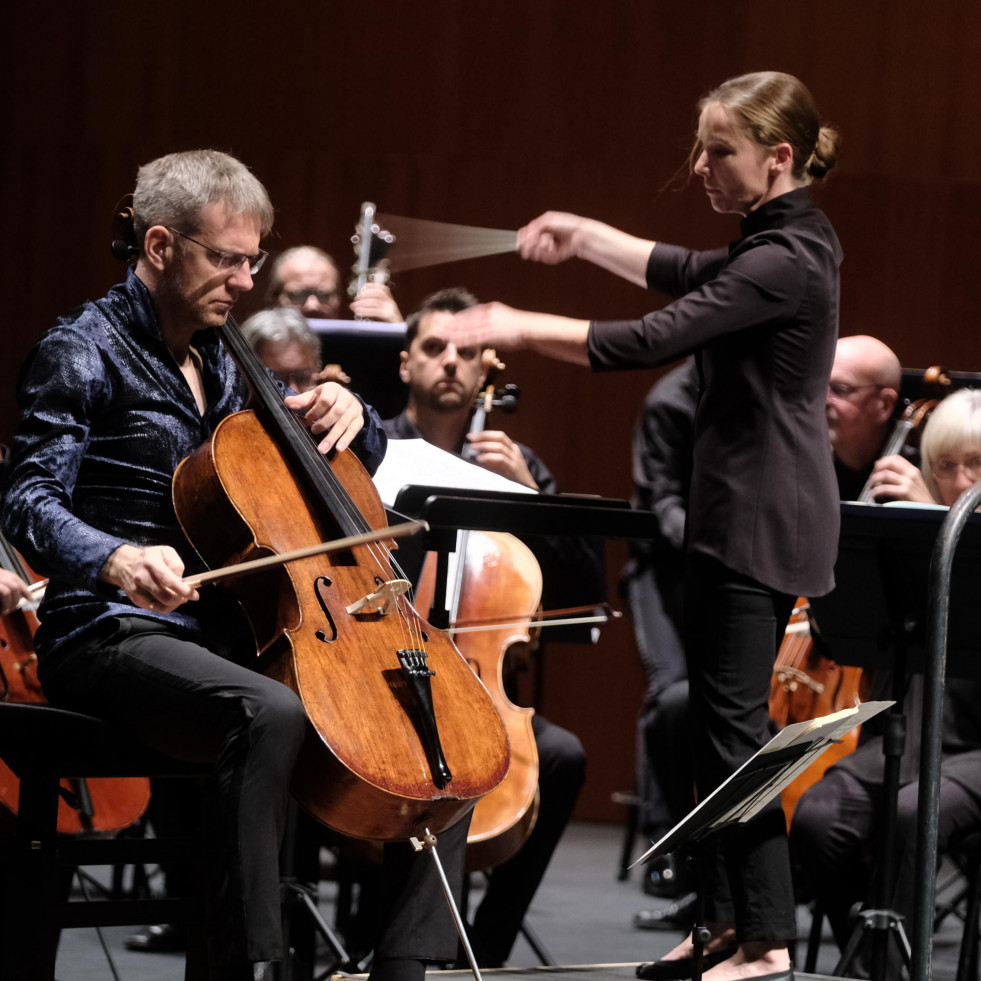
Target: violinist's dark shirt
[[106, 418], [762, 318]]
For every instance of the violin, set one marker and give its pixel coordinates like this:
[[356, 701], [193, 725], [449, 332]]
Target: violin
[[402, 736], [495, 595], [97, 804], [936, 384]]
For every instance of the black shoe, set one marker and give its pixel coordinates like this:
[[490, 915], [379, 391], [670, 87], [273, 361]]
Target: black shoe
[[160, 938], [682, 968], [671, 917]]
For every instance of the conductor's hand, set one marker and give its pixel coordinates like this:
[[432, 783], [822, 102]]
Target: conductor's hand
[[332, 410], [497, 452], [551, 238], [895, 478], [150, 577], [488, 325], [375, 302], [13, 589]]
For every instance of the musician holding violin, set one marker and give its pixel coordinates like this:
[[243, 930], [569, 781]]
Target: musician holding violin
[[443, 382], [862, 395], [113, 398]]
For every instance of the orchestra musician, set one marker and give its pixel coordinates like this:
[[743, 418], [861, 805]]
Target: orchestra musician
[[835, 822], [862, 395], [443, 380], [114, 396], [307, 278], [288, 346], [761, 317]]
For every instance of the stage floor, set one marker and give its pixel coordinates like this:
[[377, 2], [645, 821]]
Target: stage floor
[[575, 972], [582, 914]]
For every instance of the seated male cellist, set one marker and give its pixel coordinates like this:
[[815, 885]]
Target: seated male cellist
[[112, 399]]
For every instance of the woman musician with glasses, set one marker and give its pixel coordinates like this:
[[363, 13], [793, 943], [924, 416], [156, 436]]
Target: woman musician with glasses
[[950, 453]]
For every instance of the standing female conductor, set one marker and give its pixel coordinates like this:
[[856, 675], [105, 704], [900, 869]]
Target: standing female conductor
[[761, 317]]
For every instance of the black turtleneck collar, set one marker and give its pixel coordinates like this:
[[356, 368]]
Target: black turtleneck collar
[[776, 211]]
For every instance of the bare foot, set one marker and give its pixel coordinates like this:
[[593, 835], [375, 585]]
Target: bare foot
[[750, 961]]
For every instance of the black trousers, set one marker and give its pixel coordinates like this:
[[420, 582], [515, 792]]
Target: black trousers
[[195, 705], [733, 629], [654, 592], [833, 837], [511, 886]]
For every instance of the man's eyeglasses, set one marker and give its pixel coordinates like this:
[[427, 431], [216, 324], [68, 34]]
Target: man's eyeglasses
[[947, 470], [841, 390], [299, 297], [298, 380], [229, 261]]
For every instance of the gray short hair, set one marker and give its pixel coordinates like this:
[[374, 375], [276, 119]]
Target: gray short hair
[[278, 325], [172, 191]]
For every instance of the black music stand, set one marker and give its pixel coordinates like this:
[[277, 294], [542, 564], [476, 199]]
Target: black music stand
[[757, 782], [369, 352], [448, 511], [877, 617]]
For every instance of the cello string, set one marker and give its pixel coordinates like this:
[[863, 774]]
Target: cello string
[[420, 243]]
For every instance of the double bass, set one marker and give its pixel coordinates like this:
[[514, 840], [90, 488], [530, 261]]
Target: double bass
[[402, 735], [101, 804]]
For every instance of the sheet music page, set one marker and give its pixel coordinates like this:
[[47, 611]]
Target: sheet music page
[[414, 461], [812, 737], [828, 727]]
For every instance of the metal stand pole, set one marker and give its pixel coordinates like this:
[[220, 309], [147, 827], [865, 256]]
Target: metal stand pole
[[428, 843], [938, 605]]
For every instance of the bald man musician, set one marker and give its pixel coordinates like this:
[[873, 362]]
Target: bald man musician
[[862, 395]]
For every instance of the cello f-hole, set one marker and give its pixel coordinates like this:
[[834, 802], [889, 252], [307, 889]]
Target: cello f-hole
[[321, 584]]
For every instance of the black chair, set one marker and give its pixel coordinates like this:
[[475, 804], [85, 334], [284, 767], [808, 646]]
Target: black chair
[[42, 745]]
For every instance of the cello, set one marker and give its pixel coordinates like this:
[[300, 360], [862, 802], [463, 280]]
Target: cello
[[402, 735], [98, 804], [498, 583]]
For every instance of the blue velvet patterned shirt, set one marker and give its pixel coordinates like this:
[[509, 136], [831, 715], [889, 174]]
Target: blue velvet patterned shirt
[[106, 417]]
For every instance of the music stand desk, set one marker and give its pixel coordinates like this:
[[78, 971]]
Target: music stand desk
[[880, 601], [763, 776], [448, 511]]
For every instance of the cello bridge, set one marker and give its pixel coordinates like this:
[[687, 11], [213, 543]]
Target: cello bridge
[[382, 600]]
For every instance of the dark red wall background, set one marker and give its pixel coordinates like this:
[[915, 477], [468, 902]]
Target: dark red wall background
[[486, 114]]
